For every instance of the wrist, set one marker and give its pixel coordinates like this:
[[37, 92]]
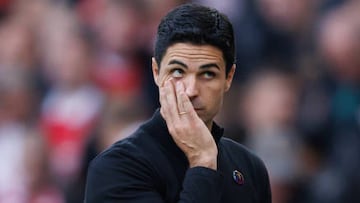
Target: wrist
[[208, 160]]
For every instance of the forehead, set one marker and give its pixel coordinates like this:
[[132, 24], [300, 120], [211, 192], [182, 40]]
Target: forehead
[[190, 53]]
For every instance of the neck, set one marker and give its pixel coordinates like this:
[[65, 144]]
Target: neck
[[209, 124]]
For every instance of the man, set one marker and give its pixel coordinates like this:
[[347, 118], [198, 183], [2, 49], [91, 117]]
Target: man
[[179, 155]]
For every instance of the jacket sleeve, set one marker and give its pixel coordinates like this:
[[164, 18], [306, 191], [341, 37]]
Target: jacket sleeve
[[126, 178], [201, 185]]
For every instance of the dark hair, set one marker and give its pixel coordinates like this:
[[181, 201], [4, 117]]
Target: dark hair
[[198, 25]]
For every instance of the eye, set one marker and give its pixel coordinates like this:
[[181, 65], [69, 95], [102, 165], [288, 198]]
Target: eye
[[209, 74], [177, 73]]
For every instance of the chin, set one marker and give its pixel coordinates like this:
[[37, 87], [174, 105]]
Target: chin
[[201, 116], [205, 119], [205, 115]]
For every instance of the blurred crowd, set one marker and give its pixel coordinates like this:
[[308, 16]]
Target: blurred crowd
[[75, 76]]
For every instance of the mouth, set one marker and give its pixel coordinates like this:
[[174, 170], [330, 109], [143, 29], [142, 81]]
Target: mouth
[[198, 106], [198, 109]]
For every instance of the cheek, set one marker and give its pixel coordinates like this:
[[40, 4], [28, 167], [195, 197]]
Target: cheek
[[214, 95], [214, 101]]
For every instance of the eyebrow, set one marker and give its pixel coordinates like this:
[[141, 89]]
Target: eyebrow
[[205, 66]]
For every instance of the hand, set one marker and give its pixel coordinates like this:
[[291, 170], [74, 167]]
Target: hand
[[188, 131]]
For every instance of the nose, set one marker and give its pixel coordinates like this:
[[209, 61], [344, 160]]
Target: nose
[[191, 86]]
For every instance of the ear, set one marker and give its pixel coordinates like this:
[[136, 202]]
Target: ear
[[155, 70], [230, 77]]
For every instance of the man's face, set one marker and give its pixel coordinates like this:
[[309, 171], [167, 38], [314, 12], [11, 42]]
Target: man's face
[[202, 70]]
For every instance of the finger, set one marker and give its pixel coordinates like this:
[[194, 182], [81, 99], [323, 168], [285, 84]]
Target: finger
[[163, 94], [180, 90], [167, 78], [170, 101], [183, 100], [163, 103], [162, 98]]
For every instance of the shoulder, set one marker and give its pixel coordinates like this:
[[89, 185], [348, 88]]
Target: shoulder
[[241, 152], [124, 159], [122, 151], [229, 144], [119, 169]]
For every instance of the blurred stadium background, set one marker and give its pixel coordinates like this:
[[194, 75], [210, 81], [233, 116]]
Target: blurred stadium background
[[75, 77]]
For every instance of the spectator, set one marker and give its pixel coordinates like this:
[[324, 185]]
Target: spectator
[[268, 111], [72, 106]]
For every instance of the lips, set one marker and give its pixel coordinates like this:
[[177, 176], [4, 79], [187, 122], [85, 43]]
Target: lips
[[197, 105]]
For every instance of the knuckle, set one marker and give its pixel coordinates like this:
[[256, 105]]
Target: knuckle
[[171, 130], [197, 125], [179, 129]]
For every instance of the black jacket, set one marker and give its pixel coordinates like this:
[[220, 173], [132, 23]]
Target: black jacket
[[148, 167]]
